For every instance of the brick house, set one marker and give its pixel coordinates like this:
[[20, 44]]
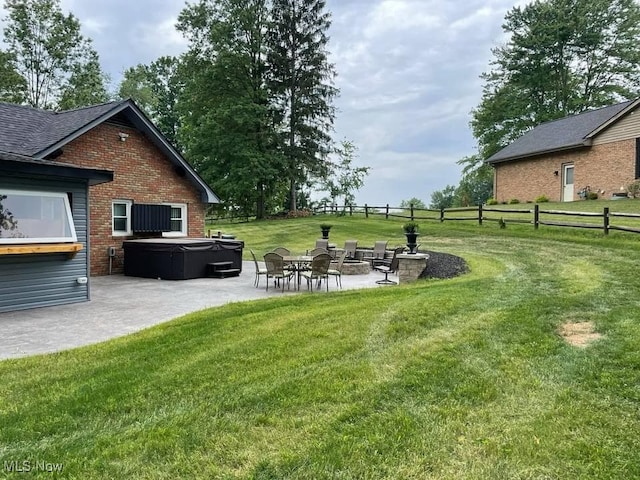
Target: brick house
[[150, 178], [597, 150]]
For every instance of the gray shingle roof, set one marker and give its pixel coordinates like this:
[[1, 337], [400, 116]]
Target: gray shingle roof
[[28, 131], [36, 133], [562, 134], [14, 162]]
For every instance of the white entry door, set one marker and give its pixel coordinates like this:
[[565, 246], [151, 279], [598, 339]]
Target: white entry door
[[567, 183]]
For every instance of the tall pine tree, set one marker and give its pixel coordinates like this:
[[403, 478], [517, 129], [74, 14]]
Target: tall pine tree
[[301, 87]]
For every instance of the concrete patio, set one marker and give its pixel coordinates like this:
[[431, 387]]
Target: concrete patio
[[121, 305]]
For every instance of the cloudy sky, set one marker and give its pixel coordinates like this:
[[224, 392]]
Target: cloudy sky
[[408, 72]]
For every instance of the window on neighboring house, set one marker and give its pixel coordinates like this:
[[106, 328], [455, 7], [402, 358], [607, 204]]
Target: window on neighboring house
[[121, 217], [35, 217], [178, 220]]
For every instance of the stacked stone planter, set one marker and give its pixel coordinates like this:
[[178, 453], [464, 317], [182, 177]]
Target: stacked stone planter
[[411, 266]]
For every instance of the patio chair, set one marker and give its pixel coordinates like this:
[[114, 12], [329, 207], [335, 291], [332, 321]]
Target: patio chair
[[388, 267], [322, 243], [259, 270], [350, 247], [337, 272], [276, 270], [316, 251], [378, 253], [284, 252], [318, 270]]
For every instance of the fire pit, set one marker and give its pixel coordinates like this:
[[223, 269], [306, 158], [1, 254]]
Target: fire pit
[[355, 267]]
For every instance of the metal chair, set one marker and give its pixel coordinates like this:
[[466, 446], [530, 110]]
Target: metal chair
[[259, 270], [337, 272], [378, 253], [387, 268], [350, 247], [276, 270], [322, 243], [318, 270], [284, 252], [316, 251]]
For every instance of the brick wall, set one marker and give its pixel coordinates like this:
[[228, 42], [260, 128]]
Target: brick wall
[[605, 168], [141, 174]]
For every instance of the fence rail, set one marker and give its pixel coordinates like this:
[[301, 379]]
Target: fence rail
[[480, 214]]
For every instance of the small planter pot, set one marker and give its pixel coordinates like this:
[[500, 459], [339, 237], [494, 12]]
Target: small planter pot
[[325, 233], [412, 242]]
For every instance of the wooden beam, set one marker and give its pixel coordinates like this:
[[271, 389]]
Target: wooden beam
[[25, 249]]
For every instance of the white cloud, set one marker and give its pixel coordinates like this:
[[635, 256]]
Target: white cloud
[[408, 71], [160, 38]]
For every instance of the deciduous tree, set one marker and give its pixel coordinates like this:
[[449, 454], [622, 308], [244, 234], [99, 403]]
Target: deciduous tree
[[46, 49], [562, 57], [443, 198], [229, 129], [156, 89], [344, 178]]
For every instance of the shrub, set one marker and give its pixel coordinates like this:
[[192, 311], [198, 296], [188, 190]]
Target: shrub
[[410, 227], [542, 199], [291, 214], [513, 201], [492, 201], [634, 189], [592, 196]]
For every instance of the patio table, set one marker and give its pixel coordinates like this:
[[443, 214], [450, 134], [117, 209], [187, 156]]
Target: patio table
[[299, 263]]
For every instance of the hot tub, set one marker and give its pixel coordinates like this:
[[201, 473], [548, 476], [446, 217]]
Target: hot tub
[[182, 258]]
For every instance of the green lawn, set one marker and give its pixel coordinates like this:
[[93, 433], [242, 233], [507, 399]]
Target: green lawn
[[466, 378]]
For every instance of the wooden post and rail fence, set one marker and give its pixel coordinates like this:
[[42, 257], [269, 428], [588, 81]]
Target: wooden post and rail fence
[[482, 213]]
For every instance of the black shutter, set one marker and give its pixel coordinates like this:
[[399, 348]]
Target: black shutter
[[637, 158], [150, 218]]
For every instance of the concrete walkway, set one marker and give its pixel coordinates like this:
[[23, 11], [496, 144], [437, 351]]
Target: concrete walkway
[[121, 305]]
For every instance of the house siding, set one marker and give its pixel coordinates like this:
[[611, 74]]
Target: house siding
[[142, 174], [28, 281], [625, 129], [605, 168]]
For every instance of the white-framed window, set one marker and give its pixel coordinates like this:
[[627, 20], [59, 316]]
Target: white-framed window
[[179, 224], [28, 216], [121, 218]]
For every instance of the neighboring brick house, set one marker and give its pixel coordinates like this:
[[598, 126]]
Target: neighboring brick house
[[598, 149], [148, 172]]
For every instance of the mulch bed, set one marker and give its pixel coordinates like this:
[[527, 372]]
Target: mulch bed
[[444, 265]]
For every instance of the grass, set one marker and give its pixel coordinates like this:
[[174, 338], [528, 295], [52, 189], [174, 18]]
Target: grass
[[460, 379]]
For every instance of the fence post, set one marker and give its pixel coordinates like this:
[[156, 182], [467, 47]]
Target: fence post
[[480, 214], [536, 216], [605, 214], [441, 215], [351, 210], [412, 212], [325, 208], [386, 212], [366, 211]]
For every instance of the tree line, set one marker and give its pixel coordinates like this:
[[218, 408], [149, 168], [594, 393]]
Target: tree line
[[561, 57], [249, 104]]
